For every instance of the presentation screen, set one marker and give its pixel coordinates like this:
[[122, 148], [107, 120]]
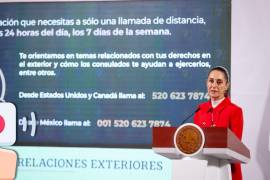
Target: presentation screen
[[104, 73]]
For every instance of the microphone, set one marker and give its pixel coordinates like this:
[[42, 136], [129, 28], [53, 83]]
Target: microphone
[[189, 116]]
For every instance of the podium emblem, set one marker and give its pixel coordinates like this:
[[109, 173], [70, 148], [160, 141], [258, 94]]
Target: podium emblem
[[189, 139]]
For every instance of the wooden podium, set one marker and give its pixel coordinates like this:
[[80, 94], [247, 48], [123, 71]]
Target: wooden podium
[[221, 147]]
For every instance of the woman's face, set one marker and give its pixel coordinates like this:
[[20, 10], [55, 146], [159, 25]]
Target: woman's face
[[217, 85]]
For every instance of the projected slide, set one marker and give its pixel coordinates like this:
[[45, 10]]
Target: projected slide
[[103, 74]]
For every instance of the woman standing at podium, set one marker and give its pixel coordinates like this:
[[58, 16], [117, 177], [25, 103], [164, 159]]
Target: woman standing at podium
[[219, 111]]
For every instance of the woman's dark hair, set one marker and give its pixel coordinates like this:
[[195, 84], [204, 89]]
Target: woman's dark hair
[[223, 70]]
